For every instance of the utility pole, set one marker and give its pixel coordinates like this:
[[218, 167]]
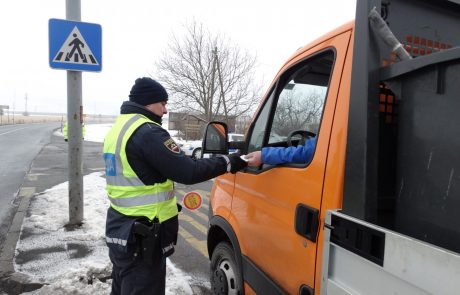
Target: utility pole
[[74, 120], [221, 86], [211, 96], [25, 109]]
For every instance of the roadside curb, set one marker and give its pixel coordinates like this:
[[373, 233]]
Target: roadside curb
[[10, 281]]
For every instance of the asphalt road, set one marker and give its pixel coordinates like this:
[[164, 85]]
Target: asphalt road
[[19, 145], [191, 254]]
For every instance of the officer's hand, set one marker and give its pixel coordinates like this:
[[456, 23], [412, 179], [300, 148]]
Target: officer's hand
[[236, 163]]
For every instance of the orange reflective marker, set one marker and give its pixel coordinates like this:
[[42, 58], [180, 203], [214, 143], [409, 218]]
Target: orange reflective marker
[[192, 200]]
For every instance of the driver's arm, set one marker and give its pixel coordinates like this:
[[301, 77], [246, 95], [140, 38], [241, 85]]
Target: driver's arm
[[301, 154]]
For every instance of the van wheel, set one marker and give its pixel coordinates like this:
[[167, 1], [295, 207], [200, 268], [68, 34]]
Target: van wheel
[[196, 153], [225, 274]]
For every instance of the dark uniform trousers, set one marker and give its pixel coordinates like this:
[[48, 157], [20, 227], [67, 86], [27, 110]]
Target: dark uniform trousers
[[134, 276], [136, 272]]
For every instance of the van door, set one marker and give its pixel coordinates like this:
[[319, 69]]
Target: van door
[[276, 208]]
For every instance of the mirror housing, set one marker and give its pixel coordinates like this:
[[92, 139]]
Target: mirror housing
[[215, 140], [239, 145]]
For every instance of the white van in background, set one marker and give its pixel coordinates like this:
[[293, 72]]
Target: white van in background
[[234, 137], [192, 148]]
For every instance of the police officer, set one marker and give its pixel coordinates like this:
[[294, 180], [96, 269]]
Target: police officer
[[66, 127], [65, 131], [142, 164]]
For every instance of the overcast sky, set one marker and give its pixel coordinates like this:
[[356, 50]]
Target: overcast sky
[[135, 34]]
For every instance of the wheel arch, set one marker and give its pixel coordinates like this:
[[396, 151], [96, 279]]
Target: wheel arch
[[221, 230]]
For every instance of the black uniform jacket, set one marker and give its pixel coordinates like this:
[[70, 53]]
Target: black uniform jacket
[[154, 159]]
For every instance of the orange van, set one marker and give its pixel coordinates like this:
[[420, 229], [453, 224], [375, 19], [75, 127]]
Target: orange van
[[265, 209]]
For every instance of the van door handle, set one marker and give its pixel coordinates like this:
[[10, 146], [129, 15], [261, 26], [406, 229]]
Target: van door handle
[[306, 222]]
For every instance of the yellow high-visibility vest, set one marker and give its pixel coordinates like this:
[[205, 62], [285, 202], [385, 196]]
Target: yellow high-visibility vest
[[127, 193], [66, 127]]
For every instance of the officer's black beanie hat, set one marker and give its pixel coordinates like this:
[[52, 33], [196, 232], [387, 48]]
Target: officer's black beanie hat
[[146, 91]]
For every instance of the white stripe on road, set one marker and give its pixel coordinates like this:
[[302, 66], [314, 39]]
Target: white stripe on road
[[201, 246], [190, 220], [13, 130]]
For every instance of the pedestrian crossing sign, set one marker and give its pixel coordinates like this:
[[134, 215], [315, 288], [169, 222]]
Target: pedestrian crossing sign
[[75, 46]]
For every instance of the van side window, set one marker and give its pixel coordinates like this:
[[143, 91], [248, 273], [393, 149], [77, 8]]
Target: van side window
[[260, 126], [301, 99]]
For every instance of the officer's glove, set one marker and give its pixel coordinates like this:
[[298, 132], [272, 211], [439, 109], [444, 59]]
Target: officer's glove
[[236, 163]]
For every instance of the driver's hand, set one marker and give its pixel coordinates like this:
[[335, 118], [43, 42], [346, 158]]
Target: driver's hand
[[254, 159]]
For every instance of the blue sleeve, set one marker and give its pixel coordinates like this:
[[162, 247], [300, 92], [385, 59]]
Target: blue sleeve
[[301, 154]]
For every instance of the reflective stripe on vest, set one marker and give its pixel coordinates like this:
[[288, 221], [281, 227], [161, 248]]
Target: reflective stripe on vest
[[126, 192], [142, 200], [119, 179]]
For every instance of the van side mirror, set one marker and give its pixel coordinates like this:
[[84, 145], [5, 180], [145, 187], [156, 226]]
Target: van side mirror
[[215, 139]]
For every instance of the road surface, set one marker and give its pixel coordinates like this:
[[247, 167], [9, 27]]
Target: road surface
[[19, 145]]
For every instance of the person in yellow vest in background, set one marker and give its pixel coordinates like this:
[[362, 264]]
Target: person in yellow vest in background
[[65, 132], [142, 162]]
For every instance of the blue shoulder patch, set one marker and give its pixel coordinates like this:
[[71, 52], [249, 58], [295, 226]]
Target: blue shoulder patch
[[110, 164]]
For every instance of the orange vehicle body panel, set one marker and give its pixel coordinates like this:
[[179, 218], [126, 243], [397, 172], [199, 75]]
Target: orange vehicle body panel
[[335, 167], [262, 212], [223, 188]]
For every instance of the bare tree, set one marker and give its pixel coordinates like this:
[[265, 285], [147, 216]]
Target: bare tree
[[207, 76], [242, 124], [297, 111]]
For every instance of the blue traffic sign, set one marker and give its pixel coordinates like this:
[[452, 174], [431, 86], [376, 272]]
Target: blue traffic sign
[[75, 46]]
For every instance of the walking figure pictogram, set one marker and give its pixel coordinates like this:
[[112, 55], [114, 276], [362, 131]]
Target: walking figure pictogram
[[76, 43]]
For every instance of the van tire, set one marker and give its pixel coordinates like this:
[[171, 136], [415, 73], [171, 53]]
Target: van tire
[[225, 274]]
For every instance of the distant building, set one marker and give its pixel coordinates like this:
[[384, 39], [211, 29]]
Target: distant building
[[191, 126]]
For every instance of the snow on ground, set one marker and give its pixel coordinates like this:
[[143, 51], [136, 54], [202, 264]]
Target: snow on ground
[[94, 132], [97, 132], [74, 261]]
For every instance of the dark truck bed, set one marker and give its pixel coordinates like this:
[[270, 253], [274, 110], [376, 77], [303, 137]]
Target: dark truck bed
[[403, 150]]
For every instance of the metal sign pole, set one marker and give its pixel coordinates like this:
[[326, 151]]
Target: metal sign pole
[[74, 120]]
